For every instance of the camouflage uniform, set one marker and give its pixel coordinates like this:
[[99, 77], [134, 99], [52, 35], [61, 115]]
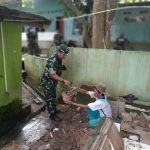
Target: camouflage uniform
[[33, 47], [58, 39], [53, 66]]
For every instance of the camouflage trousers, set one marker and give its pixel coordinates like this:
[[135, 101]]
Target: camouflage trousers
[[33, 48], [50, 100]]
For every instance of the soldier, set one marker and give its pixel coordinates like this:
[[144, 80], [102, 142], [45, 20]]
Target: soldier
[[121, 42], [58, 39], [50, 77], [32, 38]]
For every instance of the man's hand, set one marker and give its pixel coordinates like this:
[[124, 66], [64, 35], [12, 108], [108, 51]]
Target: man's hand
[[83, 91], [66, 82], [70, 102]]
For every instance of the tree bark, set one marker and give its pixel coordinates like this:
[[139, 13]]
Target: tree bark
[[102, 23], [98, 24]]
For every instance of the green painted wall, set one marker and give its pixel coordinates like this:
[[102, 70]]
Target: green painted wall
[[12, 48], [10, 89], [34, 67], [123, 72]]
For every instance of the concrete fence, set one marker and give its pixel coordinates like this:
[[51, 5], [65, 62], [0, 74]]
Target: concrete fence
[[122, 72]]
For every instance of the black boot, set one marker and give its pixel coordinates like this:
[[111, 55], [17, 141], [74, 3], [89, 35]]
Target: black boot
[[56, 118], [43, 108], [57, 111]]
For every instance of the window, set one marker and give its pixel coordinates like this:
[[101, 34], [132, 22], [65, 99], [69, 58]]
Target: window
[[127, 13], [143, 12], [77, 27], [135, 19]]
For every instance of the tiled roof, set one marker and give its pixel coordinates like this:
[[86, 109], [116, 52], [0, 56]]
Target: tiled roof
[[7, 14]]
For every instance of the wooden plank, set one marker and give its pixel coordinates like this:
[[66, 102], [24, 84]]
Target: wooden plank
[[105, 137]]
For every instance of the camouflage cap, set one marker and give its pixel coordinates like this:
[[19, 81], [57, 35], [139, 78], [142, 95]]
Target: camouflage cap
[[64, 48], [100, 88]]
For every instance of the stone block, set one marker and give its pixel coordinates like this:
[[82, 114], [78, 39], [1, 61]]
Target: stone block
[[117, 108], [126, 116]]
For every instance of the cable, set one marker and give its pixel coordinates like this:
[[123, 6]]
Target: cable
[[104, 11]]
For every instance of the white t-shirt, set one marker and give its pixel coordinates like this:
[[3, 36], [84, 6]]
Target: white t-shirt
[[100, 104]]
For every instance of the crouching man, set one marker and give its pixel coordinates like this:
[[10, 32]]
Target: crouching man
[[98, 109]]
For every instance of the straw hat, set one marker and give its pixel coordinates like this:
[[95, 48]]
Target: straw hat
[[101, 88]]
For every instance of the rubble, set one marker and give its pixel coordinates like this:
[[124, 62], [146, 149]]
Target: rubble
[[63, 108], [44, 147], [56, 129], [117, 107], [135, 124], [141, 119], [11, 146], [51, 135], [73, 128], [126, 116]]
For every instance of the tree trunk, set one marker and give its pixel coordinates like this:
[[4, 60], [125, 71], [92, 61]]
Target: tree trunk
[[102, 23], [98, 24]]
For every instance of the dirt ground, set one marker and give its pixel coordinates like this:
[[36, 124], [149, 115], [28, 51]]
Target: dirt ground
[[70, 134], [41, 133]]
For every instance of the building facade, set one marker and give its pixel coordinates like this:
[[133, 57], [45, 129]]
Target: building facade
[[134, 23], [54, 10]]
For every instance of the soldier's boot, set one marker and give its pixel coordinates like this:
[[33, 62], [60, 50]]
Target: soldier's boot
[[56, 118]]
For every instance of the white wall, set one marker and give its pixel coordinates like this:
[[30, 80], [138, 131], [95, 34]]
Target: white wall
[[45, 39]]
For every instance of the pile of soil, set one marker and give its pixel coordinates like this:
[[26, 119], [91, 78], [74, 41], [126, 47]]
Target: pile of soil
[[69, 134]]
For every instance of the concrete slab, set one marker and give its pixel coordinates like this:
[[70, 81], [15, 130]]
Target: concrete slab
[[132, 145], [32, 131]]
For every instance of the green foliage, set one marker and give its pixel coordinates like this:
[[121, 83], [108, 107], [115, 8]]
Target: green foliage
[[67, 12], [27, 3], [84, 7], [128, 1], [134, 1]]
